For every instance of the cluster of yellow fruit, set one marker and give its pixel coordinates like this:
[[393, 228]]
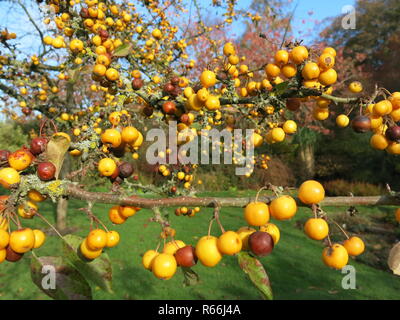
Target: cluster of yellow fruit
[[128, 136], [209, 249], [275, 135], [203, 98], [335, 255], [119, 214], [15, 244], [92, 246], [380, 118], [58, 42], [190, 212], [231, 67], [109, 24], [180, 176], [5, 35], [263, 161], [317, 75], [39, 89], [281, 208], [383, 118]]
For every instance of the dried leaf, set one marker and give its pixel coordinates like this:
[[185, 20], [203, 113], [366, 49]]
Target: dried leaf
[[394, 259], [98, 271], [69, 283], [257, 274], [56, 149]]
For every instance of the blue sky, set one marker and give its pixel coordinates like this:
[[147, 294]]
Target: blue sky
[[321, 9], [303, 20]]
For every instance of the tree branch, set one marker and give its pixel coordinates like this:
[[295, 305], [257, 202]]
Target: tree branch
[[9, 91], [47, 67], [338, 99], [75, 192], [33, 22]]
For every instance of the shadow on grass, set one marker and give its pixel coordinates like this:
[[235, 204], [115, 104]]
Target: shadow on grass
[[136, 282]]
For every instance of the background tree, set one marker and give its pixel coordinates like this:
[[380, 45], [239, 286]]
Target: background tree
[[374, 42]]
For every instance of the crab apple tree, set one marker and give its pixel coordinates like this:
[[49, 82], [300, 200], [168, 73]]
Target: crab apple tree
[[106, 73]]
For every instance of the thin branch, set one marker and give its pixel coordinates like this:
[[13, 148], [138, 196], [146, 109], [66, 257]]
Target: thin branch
[[338, 99], [33, 22], [288, 26]]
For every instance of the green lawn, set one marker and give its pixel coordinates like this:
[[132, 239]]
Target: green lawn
[[295, 267]]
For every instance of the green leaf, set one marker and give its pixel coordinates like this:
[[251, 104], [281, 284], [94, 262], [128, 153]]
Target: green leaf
[[98, 271], [191, 277], [69, 283], [123, 50], [281, 87], [73, 75], [256, 272], [56, 150]]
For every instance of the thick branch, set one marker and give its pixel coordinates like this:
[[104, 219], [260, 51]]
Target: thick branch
[[290, 93], [75, 192]]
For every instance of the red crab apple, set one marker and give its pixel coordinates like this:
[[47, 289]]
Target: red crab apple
[[137, 83], [393, 133], [13, 256], [261, 243], [46, 171], [361, 124], [169, 107], [125, 170], [38, 145], [186, 257]]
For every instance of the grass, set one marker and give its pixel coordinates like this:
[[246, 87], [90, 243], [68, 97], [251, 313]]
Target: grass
[[295, 267]]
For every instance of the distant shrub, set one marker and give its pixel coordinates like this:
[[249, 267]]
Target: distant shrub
[[223, 177], [11, 136], [214, 181], [278, 174], [344, 188]]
